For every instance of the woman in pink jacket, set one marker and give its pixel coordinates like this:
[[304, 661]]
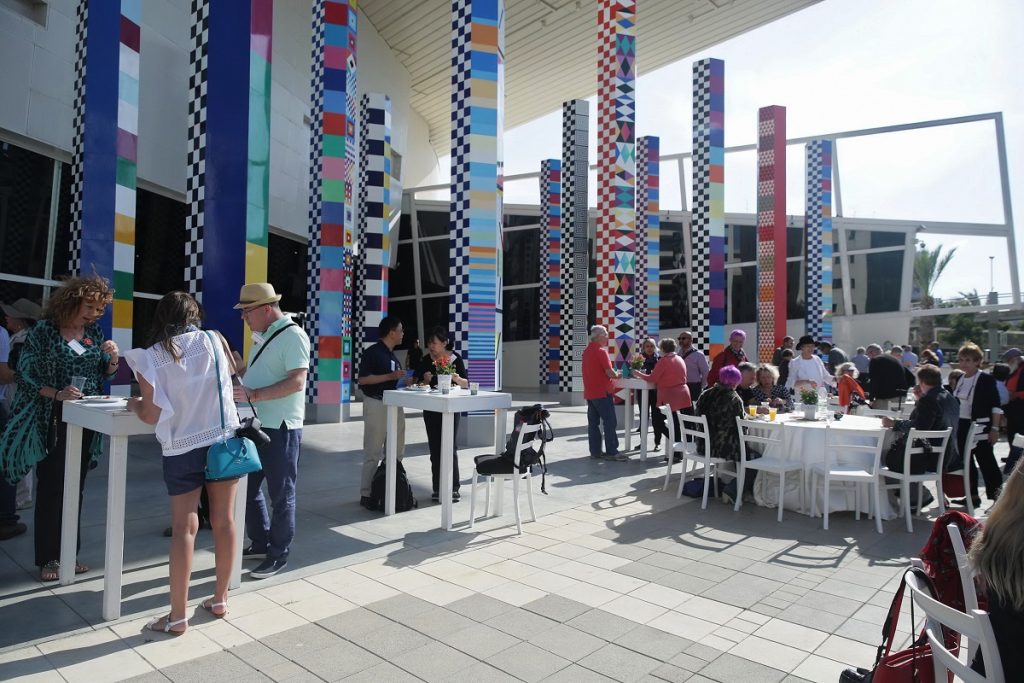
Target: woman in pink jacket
[[669, 375]]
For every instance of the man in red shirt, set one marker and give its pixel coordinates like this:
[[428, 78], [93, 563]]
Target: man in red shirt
[[732, 355], [597, 390]]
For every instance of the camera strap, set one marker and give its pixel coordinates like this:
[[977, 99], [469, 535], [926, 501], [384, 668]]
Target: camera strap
[[259, 352]]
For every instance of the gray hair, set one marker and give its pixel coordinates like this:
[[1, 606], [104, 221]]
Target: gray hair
[[598, 331], [770, 369], [873, 348], [845, 368], [668, 345]]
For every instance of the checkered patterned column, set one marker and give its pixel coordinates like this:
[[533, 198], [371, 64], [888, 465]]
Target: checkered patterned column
[[771, 230], [707, 261], [574, 254], [371, 301], [648, 237], [616, 229], [478, 43], [195, 171], [105, 156], [550, 281], [818, 235], [332, 168]]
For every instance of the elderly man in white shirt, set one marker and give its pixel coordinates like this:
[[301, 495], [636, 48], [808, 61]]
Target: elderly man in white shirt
[[806, 371]]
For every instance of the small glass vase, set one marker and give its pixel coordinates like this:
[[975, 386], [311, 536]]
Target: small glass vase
[[444, 383]]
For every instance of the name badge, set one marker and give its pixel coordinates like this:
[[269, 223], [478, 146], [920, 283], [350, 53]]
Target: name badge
[[394, 366], [76, 346]]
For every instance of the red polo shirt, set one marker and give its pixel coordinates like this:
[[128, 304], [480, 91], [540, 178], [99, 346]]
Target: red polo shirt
[[596, 382]]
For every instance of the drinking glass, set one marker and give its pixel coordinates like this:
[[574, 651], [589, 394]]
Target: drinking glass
[[772, 412], [78, 382], [751, 411]]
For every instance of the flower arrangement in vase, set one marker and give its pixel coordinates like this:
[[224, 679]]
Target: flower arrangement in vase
[[445, 369], [809, 397]]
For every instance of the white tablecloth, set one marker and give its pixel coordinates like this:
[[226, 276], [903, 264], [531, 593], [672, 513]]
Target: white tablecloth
[[805, 441]]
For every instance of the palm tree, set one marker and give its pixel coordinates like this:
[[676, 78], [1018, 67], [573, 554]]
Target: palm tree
[[928, 267]]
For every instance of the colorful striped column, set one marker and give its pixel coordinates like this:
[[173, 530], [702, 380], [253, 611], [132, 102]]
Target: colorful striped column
[[574, 254], [371, 301], [771, 230], [550, 292], [616, 159], [648, 238], [478, 45], [105, 157], [228, 162], [707, 260], [332, 157], [818, 235]]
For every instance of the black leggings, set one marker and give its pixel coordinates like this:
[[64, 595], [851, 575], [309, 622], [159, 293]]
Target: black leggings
[[986, 459], [50, 496], [432, 421]]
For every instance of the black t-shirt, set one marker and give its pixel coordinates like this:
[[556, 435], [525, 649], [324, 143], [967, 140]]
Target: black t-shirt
[[378, 360], [427, 365], [888, 379]]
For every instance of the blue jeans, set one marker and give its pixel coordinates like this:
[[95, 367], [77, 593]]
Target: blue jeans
[[602, 410], [280, 460]]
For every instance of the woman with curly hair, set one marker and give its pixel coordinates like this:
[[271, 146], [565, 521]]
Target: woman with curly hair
[[68, 342]]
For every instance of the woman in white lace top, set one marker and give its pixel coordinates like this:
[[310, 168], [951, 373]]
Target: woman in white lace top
[[179, 383]]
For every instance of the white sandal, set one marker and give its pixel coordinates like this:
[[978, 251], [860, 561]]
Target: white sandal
[[210, 606], [168, 625]]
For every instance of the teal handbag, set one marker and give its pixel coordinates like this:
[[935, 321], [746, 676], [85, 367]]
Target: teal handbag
[[234, 457]]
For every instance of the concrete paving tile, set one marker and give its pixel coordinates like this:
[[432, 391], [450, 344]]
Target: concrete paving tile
[[556, 607], [704, 652], [672, 674], [434, 661], [164, 652], [639, 570], [320, 607], [550, 582], [438, 621], [409, 580], [735, 669], [686, 661], [794, 635], [363, 592], [567, 642], [769, 653], [667, 561], [663, 596], [151, 677], [653, 642], [259, 655], [602, 624], [630, 552], [634, 609], [569, 551], [717, 642], [861, 631], [516, 594], [845, 650], [810, 616], [730, 634], [588, 594], [619, 663], [478, 673], [528, 662], [390, 641], [521, 623], [512, 569], [742, 590], [443, 593], [575, 673], [478, 580], [709, 609], [846, 589], [833, 604], [218, 666], [604, 560], [308, 638], [337, 662], [683, 625], [400, 606], [479, 640], [354, 622], [688, 584], [267, 622], [479, 607], [816, 668]]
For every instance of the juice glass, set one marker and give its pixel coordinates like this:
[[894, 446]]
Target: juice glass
[[751, 411], [772, 412]]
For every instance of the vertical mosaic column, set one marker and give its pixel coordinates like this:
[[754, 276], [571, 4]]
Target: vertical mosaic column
[[105, 157], [332, 168], [648, 237], [550, 307], [371, 283], [707, 261], [478, 44], [771, 230], [616, 228], [574, 249], [228, 162], [818, 236]]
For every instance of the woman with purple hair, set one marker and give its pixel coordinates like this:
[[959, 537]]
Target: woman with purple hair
[[732, 355], [721, 405]]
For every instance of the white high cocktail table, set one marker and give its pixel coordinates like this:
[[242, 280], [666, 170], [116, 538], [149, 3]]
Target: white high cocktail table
[[118, 424], [631, 383], [458, 401]]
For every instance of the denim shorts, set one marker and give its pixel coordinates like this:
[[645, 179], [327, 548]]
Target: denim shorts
[[186, 472]]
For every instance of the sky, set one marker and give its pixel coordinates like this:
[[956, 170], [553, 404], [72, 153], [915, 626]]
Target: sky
[[844, 65]]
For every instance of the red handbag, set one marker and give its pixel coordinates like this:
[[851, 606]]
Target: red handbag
[[953, 485]]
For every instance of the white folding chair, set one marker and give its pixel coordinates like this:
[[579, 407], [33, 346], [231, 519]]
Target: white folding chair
[[856, 441], [697, 428], [526, 435], [770, 436], [975, 625], [915, 446], [975, 434], [674, 444], [966, 576]]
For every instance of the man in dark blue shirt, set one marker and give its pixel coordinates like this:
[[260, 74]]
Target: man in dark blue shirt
[[379, 371]]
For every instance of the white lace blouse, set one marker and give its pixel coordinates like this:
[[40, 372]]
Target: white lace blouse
[[186, 392]]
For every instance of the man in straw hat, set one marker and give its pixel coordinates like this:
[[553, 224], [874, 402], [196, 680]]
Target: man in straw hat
[[275, 381]]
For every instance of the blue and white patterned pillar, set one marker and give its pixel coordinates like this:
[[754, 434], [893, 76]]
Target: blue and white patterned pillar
[[818, 234], [550, 295], [648, 237], [574, 261]]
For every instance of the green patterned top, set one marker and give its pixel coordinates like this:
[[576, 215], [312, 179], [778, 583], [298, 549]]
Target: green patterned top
[[47, 361]]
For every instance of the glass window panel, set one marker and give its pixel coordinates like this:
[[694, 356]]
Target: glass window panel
[[675, 303], [520, 319], [875, 282], [521, 257], [434, 256], [794, 242], [26, 182], [402, 280], [160, 244], [741, 294], [435, 314], [12, 291], [143, 311], [512, 220], [671, 244], [873, 239], [740, 243], [406, 312], [432, 223], [286, 269], [62, 240], [405, 227], [837, 289]]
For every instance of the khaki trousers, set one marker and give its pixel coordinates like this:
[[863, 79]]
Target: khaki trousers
[[375, 429]]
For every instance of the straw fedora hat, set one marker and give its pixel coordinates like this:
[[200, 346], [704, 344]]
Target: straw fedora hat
[[257, 294], [23, 309]]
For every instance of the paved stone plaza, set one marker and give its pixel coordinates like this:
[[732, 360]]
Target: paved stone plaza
[[617, 580]]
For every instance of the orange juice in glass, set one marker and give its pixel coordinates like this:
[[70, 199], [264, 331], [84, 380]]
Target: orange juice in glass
[[752, 411], [772, 412]]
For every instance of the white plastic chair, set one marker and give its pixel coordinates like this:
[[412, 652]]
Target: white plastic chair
[[526, 435], [938, 440], [697, 428], [975, 625], [674, 445], [771, 435], [966, 576], [975, 434], [834, 470]]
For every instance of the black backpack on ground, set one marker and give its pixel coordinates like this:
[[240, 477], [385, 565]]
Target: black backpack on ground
[[404, 500], [503, 463]]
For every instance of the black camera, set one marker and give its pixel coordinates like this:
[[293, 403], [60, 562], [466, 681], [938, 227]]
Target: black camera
[[252, 429]]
